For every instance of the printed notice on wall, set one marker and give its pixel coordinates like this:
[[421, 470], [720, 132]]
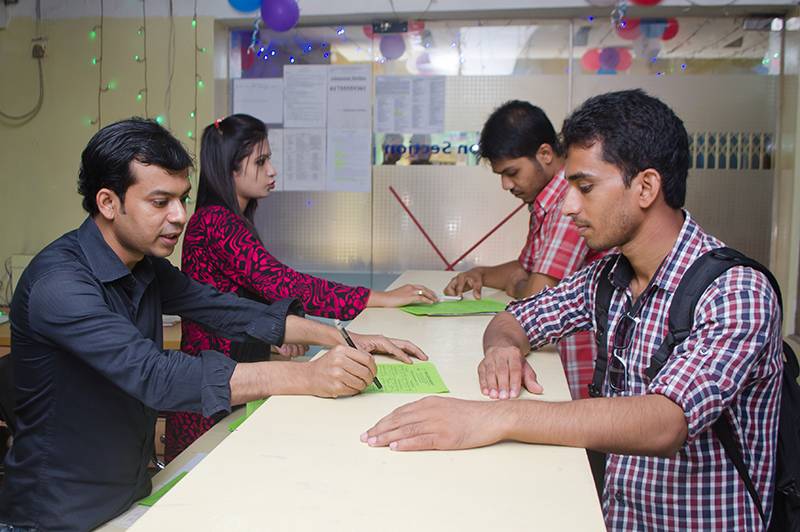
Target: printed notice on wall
[[350, 97], [261, 98], [349, 160], [409, 104], [304, 159], [305, 95]]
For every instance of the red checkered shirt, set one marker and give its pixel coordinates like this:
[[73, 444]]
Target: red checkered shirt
[[729, 365], [555, 248]]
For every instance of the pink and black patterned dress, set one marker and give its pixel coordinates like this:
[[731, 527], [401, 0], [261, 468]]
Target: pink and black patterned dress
[[219, 250]]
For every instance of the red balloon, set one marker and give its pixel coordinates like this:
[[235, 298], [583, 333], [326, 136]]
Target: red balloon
[[625, 59], [631, 30], [672, 29], [367, 29], [646, 2], [591, 60]]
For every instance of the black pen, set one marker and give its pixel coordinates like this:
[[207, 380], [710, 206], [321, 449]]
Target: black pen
[[353, 345]]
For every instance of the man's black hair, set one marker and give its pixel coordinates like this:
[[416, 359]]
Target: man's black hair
[[636, 132], [106, 160], [516, 129]]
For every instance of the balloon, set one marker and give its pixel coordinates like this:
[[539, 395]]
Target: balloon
[[591, 60], [280, 15], [647, 49], [245, 5], [368, 32], [392, 46], [671, 30], [653, 28], [625, 59], [631, 30], [646, 2], [609, 58]]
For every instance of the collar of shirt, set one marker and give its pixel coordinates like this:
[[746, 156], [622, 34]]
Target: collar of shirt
[[550, 196], [104, 263], [672, 268]]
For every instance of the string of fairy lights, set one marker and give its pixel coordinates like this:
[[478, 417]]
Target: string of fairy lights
[[107, 82]]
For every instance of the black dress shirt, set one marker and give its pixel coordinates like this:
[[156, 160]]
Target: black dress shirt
[[91, 374]]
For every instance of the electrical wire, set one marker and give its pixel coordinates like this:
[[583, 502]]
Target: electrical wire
[[144, 51], [170, 63], [100, 71], [27, 116]]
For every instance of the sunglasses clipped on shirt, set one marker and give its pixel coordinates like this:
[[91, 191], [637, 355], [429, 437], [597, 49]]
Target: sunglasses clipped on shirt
[[618, 366]]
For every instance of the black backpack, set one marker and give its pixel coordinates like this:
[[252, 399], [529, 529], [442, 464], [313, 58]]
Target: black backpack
[[699, 276]]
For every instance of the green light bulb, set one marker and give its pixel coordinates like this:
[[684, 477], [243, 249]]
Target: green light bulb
[[194, 22], [93, 60], [160, 119], [92, 35], [137, 58], [200, 84], [203, 50], [139, 97], [189, 134], [191, 115]]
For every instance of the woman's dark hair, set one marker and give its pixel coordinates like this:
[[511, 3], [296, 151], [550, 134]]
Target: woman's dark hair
[[106, 160], [516, 129], [225, 144], [637, 132]]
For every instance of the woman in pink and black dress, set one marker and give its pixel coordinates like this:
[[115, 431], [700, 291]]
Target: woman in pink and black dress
[[222, 248]]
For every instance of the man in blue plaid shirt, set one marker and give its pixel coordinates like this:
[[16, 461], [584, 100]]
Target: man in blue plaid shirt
[[627, 163]]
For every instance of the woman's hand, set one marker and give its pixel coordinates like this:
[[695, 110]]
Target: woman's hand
[[407, 294], [376, 343]]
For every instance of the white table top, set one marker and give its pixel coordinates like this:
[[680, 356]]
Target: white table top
[[297, 463]]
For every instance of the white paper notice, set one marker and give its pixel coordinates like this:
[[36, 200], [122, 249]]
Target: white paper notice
[[349, 160], [427, 111], [261, 98], [305, 89], [304, 159], [409, 104], [350, 96], [393, 104], [275, 137]]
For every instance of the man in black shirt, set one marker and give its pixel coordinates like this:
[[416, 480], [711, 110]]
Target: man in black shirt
[[90, 372]]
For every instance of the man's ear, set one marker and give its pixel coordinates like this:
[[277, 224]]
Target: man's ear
[[108, 203], [545, 154], [649, 187]]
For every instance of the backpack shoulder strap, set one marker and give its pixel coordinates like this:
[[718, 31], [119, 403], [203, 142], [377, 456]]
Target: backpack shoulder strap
[[602, 302], [694, 283]]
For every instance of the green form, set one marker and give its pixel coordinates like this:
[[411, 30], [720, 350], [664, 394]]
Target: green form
[[464, 307], [420, 377]]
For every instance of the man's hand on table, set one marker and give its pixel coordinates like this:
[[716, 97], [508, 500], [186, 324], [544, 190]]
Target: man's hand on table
[[399, 349], [503, 371], [439, 423]]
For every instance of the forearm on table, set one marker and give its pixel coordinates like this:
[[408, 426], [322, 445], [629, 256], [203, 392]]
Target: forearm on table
[[310, 332], [533, 284], [498, 276], [257, 380], [505, 331], [649, 425]]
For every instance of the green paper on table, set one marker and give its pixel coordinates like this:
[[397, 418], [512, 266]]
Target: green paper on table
[[153, 498], [465, 307], [249, 408], [420, 377]]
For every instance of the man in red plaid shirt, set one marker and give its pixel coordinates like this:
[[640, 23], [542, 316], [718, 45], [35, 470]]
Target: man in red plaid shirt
[[627, 162], [521, 144]]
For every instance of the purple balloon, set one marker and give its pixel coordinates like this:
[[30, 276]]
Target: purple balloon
[[280, 15], [392, 46], [609, 58]]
